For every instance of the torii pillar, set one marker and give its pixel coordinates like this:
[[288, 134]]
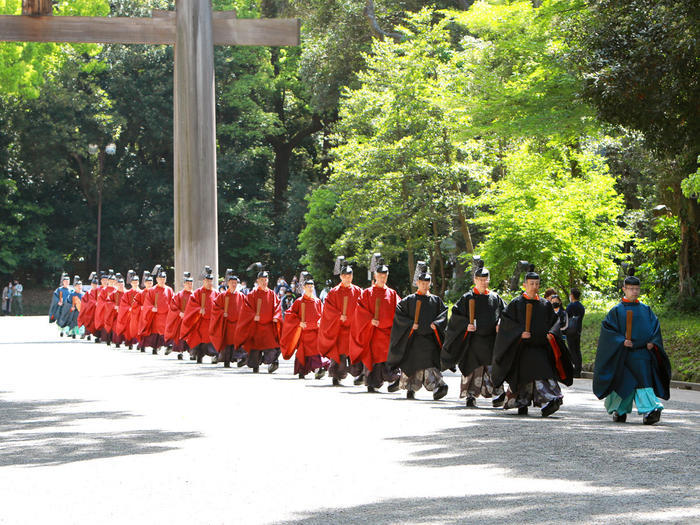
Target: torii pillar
[[194, 30], [194, 119]]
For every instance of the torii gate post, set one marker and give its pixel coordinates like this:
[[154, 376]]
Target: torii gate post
[[194, 30]]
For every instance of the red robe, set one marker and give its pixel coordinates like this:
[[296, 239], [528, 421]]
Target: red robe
[[368, 343], [334, 334], [222, 329], [195, 326], [123, 326], [173, 323], [112, 310], [101, 308], [86, 317], [135, 316], [263, 334], [294, 337], [154, 322]]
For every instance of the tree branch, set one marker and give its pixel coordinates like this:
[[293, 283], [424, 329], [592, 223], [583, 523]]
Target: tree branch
[[374, 24]]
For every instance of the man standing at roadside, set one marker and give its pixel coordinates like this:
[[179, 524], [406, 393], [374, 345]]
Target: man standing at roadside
[[17, 290]]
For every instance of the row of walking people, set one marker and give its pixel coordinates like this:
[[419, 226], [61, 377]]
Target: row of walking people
[[372, 334]]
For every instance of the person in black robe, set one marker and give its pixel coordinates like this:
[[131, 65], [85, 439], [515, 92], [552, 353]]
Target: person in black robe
[[469, 345], [530, 353], [630, 363], [416, 340], [575, 311]]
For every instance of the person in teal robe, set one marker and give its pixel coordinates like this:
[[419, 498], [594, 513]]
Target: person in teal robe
[[634, 370]]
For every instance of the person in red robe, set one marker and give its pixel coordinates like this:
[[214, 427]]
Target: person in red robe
[[195, 323], [108, 282], [112, 313], [258, 328], [136, 307], [154, 312], [222, 327], [86, 318], [123, 324], [334, 331], [371, 331], [300, 334], [173, 323]]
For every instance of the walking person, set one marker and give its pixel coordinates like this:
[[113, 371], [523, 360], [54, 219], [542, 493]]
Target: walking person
[[575, 310], [7, 298]]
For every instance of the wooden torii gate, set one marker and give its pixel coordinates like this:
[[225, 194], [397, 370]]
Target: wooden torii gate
[[194, 30]]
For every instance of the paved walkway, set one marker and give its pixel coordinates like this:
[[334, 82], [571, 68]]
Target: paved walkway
[[90, 434]]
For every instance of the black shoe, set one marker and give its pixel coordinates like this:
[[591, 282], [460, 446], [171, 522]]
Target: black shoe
[[358, 380], [471, 402], [410, 394], [143, 350], [199, 359], [130, 347], [371, 390], [522, 411], [652, 417], [256, 369], [393, 387], [551, 407], [214, 359], [440, 392], [97, 340], [227, 364], [155, 351], [109, 343], [168, 350], [241, 362], [60, 334], [619, 418], [498, 402], [192, 357], [179, 357], [118, 345], [320, 373], [273, 366], [73, 336], [88, 337], [302, 376], [336, 382]]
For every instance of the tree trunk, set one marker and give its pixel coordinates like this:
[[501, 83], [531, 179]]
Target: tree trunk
[[283, 156], [441, 261], [411, 262], [689, 256]]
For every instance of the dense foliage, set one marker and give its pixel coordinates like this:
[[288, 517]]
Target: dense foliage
[[561, 132]]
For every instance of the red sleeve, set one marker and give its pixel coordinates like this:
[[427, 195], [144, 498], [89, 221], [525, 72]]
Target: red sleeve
[[216, 322], [330, 321], [291, 331], [245, 324], [361, 330], [192, 314]]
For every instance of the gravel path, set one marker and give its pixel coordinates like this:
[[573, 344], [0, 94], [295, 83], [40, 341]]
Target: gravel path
[[90, 434]]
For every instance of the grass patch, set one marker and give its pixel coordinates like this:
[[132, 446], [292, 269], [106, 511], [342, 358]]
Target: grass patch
[[680, 331]]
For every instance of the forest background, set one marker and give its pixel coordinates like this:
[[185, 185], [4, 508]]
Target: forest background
[[561, 132]]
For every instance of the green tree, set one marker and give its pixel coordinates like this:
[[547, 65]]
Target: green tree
[[567, 227], [639, 64]]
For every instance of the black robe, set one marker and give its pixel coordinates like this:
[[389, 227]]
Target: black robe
[[420, 349], [520, 361], [474, 349]]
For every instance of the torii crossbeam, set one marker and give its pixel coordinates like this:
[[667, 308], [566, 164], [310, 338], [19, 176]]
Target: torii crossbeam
[[194, 30]]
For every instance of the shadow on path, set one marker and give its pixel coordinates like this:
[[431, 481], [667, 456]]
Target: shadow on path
[[30, 434]]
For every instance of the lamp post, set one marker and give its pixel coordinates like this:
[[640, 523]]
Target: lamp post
[[94, 149]]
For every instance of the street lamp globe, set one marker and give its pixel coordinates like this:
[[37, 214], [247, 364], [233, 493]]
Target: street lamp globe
[[111, 148], [93, 149]]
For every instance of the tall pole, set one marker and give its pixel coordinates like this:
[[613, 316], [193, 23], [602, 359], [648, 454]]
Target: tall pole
[[100, 166], [195, 225]]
